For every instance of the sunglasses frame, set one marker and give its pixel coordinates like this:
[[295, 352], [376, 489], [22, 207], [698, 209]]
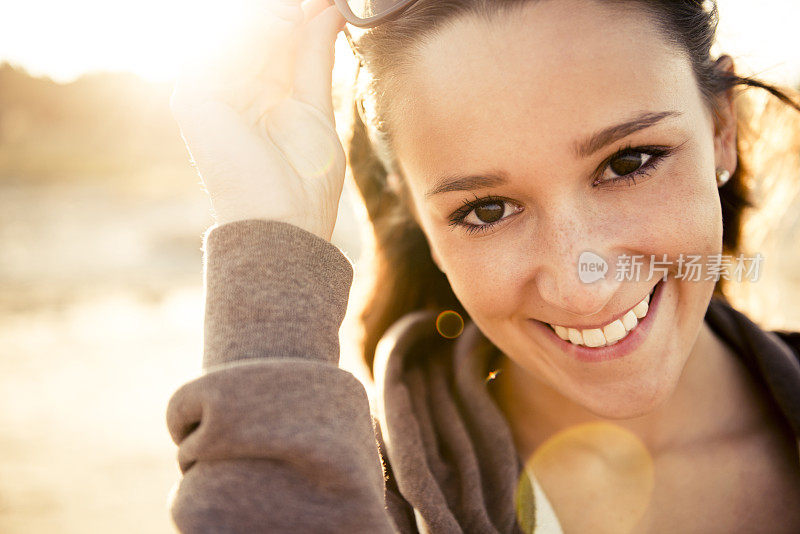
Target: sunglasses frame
[[370, 22]]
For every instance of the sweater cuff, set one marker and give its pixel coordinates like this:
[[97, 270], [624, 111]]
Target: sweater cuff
[[272, 290]]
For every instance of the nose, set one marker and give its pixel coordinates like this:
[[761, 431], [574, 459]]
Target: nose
[[575, 267]]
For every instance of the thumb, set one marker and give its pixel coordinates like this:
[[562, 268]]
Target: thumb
[[315, 57]]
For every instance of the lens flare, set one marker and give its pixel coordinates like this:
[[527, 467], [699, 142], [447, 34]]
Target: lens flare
[[597, 472], [449, 324]]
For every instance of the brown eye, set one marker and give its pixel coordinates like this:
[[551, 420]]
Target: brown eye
[[627, 163], [484, 213], [489, 213], [630, 164]]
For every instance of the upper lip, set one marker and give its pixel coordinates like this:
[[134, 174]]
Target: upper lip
[[600, 325]]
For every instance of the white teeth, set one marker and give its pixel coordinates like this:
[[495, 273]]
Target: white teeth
[[593, 337], [629, 321], [641, 309], [562, 332], [609, 334], [575, 336], [614, 332]]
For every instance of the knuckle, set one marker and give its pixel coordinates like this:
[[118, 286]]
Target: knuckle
[[289, 11]]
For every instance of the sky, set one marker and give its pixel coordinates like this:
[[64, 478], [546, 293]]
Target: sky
[[152, 38]]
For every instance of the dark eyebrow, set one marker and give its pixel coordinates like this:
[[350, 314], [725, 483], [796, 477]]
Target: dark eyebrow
[[458, 182], [585, 148], [606, 136]]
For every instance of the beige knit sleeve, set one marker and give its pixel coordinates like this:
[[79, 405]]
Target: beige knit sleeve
[[273, 436]]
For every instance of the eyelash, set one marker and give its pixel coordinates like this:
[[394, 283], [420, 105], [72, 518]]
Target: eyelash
[[657, 155], [458, 216]]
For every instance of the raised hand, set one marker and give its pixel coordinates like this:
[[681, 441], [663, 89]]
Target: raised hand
[[257, 118]]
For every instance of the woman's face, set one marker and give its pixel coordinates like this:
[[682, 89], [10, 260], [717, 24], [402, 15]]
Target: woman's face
[[567, 127]]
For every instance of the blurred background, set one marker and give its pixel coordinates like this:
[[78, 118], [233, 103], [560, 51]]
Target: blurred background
[[101, 220]]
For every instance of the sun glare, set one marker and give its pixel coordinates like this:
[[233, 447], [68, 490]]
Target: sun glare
[[154, 38], [150, 38]]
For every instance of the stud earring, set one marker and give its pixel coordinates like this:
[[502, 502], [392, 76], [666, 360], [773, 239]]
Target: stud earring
[[723, 175]]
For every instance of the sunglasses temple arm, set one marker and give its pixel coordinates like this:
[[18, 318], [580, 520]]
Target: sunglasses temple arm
[[352, 44]]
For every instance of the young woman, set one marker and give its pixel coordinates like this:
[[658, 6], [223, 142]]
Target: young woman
[[502, 142]]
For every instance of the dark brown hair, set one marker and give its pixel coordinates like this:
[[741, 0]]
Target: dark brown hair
[[405, 277]]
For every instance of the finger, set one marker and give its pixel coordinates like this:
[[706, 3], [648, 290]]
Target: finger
[[315, 57], [312, 8]]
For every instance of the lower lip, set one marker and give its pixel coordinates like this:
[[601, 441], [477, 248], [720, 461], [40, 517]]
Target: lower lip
[[609, 352]]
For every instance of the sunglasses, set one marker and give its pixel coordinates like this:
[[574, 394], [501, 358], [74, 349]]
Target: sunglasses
[[370, 13]]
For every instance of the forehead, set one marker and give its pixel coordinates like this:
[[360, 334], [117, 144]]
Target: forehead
[[534, 80]]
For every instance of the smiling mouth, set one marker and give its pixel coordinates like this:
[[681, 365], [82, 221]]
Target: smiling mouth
[[609, 334]]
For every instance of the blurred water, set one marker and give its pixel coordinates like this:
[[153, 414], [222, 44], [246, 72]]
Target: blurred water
[[84, 446], [100, 321]]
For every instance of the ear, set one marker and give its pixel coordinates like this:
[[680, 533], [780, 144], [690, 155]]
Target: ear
[[725, 127]]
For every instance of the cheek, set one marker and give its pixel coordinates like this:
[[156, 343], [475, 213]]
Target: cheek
[[689, 214], [484, 274], [678, 211]]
